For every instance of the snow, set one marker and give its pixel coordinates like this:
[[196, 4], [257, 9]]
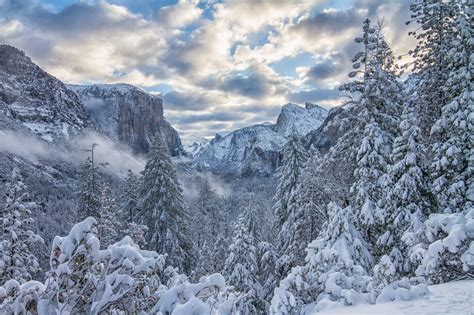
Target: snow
[[455, 298]]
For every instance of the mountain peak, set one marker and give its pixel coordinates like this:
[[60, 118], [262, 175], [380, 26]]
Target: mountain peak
[[303, 120]]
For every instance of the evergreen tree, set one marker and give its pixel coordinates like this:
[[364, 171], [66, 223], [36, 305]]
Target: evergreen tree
[[128, 210], [314, 188], [128, 202], [17, 260], [268, 258], [89, 192], [336, 268], [372, 163], [108, 225], [406, 199], [435, 34], [241, 267], [209, 216], [163, 211], [453, 154], [294, 157]]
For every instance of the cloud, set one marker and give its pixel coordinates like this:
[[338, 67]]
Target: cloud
[[215, 56], [119, 159], [314, 96], [179, 15], [254, 85], [23, 145], [188, 101]]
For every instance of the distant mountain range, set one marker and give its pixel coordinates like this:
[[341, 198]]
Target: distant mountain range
[[255, 149]]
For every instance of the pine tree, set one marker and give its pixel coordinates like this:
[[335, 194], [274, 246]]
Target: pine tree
[[89, 191], [336, 268], [128, 210], [294, 157], [108, 225], [241, 267], [406, 199], [435, 33], [453, 154], [372, 163], [209, 215], [314, 188], [268, 258], [163, 211], [128, 202], [17, 260]]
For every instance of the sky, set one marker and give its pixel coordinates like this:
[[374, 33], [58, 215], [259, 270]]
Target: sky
[[218, 65]]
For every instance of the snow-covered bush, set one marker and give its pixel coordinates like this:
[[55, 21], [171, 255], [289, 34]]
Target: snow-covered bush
[[450, 254], [21, 299], [120, 279], [209, 296]]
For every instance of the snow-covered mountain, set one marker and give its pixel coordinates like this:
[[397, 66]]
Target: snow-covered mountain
[[33, 100], [256, 149], [192, 144], [129, 115]]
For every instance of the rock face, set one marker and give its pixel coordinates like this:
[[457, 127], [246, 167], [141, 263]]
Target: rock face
[[129, 115], [37, 100], [336, 124], [256, 149]]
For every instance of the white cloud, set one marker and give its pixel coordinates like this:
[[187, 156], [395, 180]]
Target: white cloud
[[221, 63]]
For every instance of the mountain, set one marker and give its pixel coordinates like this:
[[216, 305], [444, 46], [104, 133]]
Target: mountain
[[256, 149], [35, 101], [129, 115], [192, 145]]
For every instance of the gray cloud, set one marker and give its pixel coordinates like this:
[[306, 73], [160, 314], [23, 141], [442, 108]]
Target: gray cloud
[[187, 101], [255, 85], [314, 95], [215, 116]]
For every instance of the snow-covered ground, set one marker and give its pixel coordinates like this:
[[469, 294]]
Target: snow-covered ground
[[455, 298]]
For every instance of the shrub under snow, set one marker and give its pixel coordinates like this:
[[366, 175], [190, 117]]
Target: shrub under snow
[[120, 279]]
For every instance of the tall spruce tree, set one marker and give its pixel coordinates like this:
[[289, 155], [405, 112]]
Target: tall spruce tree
[[241, 267], [452, 167], [89, 191], [128, 210], [435, 32], [335, 271], [406, 200], [17, 260], [108, 226], [163, 211], [294, 158]]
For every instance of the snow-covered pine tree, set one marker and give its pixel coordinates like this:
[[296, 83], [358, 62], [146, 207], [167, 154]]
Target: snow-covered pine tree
[[241, 267], [378, 94], [335, 271], [314, 188], [88, 197], [407, 199], [268, 258], [435, 34], [17, 260], [209, 215], [108, 225], [452, 167], [128, 210], [294, 158], [129, 195], [162, 209], [372, 163]]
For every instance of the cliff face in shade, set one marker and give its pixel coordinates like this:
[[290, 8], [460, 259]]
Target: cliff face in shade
[[129, 115], [35, 100]]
